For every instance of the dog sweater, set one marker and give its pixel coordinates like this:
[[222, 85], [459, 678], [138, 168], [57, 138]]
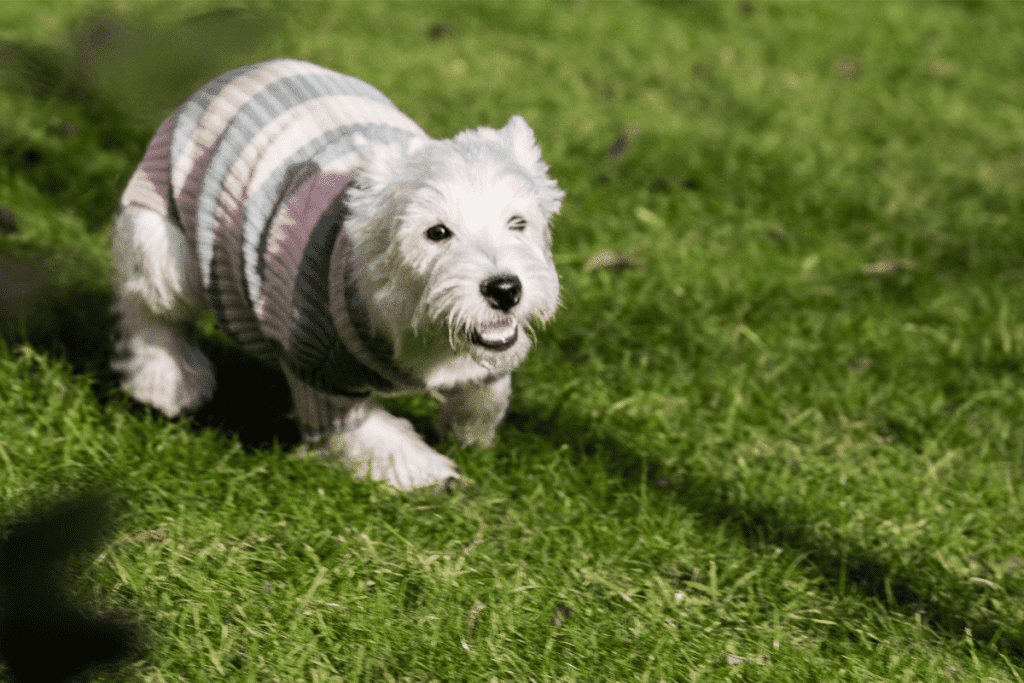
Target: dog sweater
[[253, 168]]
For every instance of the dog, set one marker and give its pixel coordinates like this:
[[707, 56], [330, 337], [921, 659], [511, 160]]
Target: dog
[[332, 237]]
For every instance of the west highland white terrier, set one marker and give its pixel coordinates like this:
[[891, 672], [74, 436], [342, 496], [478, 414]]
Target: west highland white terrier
[[331, 236]]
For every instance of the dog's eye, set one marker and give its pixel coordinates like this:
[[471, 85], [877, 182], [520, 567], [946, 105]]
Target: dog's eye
[[438, 233], [517, 223]]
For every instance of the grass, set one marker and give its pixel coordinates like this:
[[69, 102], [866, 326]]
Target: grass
[[784, 445]]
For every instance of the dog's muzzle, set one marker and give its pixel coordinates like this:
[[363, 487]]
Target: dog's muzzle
[[502, 293]]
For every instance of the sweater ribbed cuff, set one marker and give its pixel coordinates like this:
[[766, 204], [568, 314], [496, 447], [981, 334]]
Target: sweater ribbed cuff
[[321, 413]]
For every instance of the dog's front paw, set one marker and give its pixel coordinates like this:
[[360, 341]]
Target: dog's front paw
[[389, 449]]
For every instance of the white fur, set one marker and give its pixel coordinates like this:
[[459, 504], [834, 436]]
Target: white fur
[[423, 295]]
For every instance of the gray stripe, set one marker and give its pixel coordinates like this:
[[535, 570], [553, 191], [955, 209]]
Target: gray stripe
[[196, 106]]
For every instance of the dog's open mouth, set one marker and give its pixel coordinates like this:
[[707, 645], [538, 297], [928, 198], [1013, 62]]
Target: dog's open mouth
[[496, 336]]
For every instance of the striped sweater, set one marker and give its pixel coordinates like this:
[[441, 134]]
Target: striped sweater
[[253, 168]]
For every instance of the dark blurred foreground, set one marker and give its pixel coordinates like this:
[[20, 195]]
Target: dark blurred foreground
[[45, 635]]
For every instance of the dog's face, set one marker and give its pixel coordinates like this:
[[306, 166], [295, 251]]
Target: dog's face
[[458, 254]]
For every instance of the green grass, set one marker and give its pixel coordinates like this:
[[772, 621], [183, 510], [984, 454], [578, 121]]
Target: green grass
[[755, 455]]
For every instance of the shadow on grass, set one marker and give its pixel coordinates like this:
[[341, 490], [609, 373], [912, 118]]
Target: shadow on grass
[[927, 588], [67, 315], [56, 311], [251, 400]]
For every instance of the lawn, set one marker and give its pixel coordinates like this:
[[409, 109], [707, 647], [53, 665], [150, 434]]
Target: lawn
[[775, 432]]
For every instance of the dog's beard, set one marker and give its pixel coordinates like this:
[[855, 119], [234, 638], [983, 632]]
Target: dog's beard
[[425, 350], [494, 339], [497, 340]]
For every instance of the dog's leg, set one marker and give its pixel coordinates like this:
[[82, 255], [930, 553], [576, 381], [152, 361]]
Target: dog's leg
[[367, 438], [158, 296], [472, 412]]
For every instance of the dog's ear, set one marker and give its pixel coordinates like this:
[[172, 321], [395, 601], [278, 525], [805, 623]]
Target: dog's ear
[[526, 152], [523, 143]]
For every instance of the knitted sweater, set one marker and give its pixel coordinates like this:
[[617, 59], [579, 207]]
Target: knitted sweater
[[253, 168]]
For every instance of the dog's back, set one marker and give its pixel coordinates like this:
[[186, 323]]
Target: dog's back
[[231, 142], [221, 163]]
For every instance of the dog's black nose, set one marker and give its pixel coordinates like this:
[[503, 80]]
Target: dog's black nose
[[502, 292]]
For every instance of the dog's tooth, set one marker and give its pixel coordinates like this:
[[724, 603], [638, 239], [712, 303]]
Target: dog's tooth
[[499, 325], [498, 335]]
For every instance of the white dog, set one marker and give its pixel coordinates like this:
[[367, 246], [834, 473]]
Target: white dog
[[331, 236]]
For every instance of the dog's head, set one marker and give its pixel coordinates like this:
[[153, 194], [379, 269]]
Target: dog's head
[[452, 242]]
